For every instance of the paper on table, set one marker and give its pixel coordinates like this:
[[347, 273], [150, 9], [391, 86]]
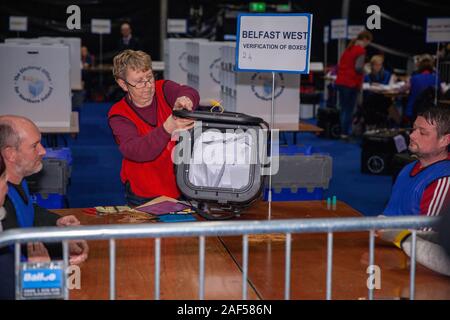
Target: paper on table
[[163, 207], [157, 200]]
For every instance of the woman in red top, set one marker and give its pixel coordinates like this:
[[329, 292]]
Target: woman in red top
[[142, 125], [350, 78]]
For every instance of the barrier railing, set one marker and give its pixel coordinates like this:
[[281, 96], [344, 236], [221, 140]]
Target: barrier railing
[[223, 228]]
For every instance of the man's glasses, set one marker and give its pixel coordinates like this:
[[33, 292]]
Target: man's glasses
[[141, 84]]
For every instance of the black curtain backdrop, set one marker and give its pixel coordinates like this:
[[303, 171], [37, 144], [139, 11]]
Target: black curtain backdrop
[[48, 18]]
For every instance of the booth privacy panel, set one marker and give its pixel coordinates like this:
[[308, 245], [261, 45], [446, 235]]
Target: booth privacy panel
[[74, 45], [35, 83]]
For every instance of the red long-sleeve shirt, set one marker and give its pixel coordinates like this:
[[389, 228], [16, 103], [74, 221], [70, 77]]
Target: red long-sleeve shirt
[[147, 148]]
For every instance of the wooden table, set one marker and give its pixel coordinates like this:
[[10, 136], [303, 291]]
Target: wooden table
[[223, 263], [74, 127], [302, 127], [135, 268]]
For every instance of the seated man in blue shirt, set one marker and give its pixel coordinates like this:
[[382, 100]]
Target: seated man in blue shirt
[[375, 105], [22, 154], [422, 188]]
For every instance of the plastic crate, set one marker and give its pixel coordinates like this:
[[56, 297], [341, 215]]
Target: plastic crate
[[49, 201], [300, 194], [293, 150], [61, 154], [303, 174], [53, 178]]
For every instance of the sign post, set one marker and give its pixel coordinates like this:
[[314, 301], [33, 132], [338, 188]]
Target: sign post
[[326, 39], [18, 24], [273, 43], [339, 32], [101, 26], [354, 30]]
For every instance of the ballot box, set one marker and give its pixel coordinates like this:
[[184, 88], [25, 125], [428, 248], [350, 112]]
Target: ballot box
[[35, 83]]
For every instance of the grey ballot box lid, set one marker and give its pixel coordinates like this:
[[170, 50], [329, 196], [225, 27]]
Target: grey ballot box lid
[[303, 171]]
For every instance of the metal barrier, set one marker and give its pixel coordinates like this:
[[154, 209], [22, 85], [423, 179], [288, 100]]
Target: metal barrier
[[227, 228], [444, 71]]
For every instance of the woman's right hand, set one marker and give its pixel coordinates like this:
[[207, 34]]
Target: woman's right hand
[[173, 124]]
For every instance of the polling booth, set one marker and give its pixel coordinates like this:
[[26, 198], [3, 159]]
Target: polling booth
[[35, 83], [175, 60], [74, 45], [251, 92], [204, 68]]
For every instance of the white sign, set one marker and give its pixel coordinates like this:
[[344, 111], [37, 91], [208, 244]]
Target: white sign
[[101, 26], [18, 23], [354, 30], [438, 30], [400, 143], [274, 42], [326, 34], [339, 29], [176, 26]]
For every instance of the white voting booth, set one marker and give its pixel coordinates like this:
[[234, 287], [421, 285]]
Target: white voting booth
[[251, 92], [74, 45], [175, 60], [204, 69], [35, 83]]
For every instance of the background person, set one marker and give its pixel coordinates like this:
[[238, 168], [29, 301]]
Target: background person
[[350, 77]]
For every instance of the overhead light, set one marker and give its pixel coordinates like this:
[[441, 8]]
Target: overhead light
[[257, 7]]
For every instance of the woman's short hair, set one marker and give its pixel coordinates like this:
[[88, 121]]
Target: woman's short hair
[[131, 59]]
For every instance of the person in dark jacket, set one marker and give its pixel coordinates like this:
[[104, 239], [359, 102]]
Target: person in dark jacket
[[127, 40], [6, 257], [22, 154], [424, 79]]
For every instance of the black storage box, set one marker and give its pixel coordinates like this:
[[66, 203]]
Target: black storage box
[[328, 119], [399, 162], [378, 148], [53, 178], [207, 172]]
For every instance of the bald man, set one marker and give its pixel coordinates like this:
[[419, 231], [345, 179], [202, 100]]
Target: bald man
[[22, 151]]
